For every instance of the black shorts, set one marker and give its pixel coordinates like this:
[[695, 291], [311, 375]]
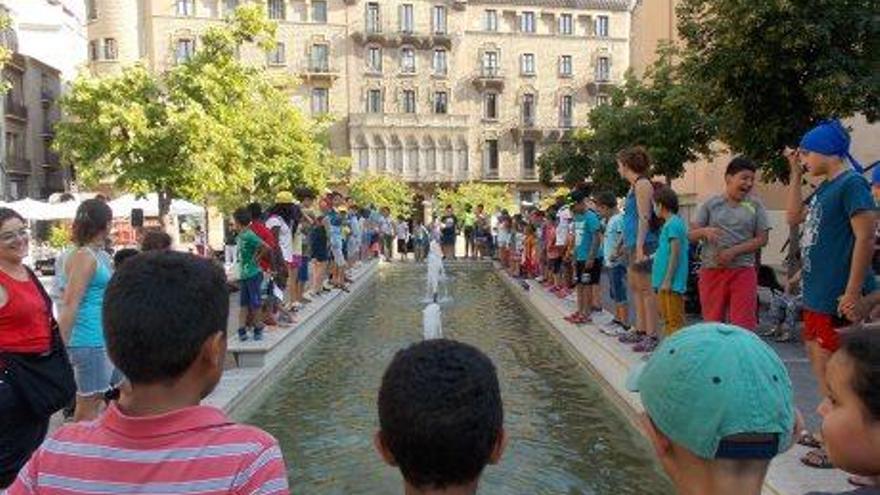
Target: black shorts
[[401, 246], [584, 276], [555, 265]]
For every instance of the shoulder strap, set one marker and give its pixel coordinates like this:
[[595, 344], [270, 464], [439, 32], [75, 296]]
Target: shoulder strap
[[53, 323]]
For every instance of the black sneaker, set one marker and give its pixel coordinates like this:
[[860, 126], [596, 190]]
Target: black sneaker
[[242, 335], [258, 334]]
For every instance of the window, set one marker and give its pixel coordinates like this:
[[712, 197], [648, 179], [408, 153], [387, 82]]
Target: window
[[409, 101], [438, 19], [490, 157], [490, 64], [374, 101], [441, 102], [94, 54], [320, 58], [602, 26], [320, 101], [364, 159], [565, 66], [490, 106], [229, 6], [603, 69], [566, 24], [186, 48], [412, 160], [528, 63], [528, 157], [276, 56], [407, 19], [528, 109], [319, 11], [111, 52], [186, 8], [602, 100], [275, 9], [490, 20], [373, 21], [91, 10], [374, 59], [527, 22], [407, 60], [440, 66], [566, 110]]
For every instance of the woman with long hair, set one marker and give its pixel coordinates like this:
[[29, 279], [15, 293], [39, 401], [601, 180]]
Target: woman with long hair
[[87, 271]]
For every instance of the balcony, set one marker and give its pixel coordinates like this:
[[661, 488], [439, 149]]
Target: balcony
[[491, 174], [442, 38], [318, 71], [16, 109], [409, 120], [51, 160], [489, 77], [529, 174], [48, 130], [373, 32], [47, 97], [18, 165]]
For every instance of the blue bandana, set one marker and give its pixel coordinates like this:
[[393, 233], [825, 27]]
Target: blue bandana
[[830, 138]]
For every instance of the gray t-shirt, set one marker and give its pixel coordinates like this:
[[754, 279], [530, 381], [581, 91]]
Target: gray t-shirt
[[737, 223]]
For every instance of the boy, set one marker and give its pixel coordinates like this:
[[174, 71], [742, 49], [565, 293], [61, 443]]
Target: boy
[[836, 245], [441, 420], [165, 320], [733, 227], [670, 270], [448, 233], [718, 407], [612, 246], [586, 246], [250, 249]]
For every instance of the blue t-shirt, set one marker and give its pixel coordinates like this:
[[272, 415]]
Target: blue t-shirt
[[673, 229], [613, 238], [586, 227], [631, 225], [828, 240]]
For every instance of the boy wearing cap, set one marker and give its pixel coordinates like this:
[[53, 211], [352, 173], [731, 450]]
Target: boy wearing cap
[[837, 244], [718, 407]]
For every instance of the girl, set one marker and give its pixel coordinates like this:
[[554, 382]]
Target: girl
[[530, 252]]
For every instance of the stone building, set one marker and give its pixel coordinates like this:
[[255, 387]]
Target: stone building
[[435, 92]]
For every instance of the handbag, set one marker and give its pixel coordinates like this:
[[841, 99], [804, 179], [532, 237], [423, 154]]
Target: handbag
[[44, 381]]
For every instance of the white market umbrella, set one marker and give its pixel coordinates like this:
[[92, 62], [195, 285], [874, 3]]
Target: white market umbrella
[[123, 205], [32, 209]]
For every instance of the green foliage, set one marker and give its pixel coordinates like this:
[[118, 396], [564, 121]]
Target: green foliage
[[5, 53], [210, 129], [382, 191], [59, 237], [492, 196], [550, 199], [769, 69]]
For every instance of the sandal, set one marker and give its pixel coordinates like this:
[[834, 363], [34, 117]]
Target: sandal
[[807, 439], [861, 481], [818, 459]]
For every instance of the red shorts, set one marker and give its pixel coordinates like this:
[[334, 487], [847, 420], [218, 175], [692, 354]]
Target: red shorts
[[821, 328]]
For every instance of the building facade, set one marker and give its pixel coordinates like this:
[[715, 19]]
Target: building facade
[[29, 113], [43, 26], [435, 92]]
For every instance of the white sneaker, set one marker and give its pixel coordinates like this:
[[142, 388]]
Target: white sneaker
[[612, 330], [602, 317]]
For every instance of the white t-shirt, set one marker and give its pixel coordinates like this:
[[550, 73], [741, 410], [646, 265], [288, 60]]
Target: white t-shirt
[[285, 238], [563, 227], [403, 231]]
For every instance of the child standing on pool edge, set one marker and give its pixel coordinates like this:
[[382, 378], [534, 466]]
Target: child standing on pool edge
[[670, 270], [441, 419]]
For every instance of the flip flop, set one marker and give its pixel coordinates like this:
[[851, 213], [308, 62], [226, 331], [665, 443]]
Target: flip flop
[[817, 459], [807, 439]]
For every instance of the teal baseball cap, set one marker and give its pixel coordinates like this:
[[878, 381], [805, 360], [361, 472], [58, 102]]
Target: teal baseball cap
[[719, 391]]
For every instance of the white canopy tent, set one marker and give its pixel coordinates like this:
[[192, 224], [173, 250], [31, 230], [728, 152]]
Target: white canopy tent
[[123, 205], [32, 209]]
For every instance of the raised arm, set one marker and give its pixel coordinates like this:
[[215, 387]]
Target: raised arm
[[795, 212]]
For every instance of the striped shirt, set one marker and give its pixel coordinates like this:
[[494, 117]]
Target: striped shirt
[[195, 450]]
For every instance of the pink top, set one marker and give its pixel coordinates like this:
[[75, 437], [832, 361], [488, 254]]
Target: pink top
[[192, 450]]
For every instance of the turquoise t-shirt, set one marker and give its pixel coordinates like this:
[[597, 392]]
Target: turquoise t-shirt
[[673, 228], [88, 328], [586, 226]]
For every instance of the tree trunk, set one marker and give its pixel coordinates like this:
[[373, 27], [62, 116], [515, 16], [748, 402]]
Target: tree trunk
[[165, 211]]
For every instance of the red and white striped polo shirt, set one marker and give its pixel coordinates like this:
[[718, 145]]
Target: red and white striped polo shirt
[[195, 450]]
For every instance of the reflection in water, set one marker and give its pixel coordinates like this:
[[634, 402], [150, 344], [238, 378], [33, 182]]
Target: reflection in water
[[565, 438]]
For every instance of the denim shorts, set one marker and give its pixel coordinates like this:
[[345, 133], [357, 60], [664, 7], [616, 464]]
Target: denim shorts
[[303, 274], [617, 283], [92, 370], [249, 292]]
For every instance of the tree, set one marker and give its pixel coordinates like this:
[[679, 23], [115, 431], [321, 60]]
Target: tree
[[210, 129], [382, 191], [769, 69], [492, 197], [5, 53]]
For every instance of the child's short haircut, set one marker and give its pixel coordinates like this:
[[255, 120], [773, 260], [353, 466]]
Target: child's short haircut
[[440, 412], [159, 309], [243, 216], [606, 199], [156, 240], [863, 348], [667, 198], [122, 255], [256, 210], [739, 164]]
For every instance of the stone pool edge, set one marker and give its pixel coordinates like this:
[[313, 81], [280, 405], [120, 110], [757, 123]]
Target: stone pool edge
[[242, 389], [611, 366]]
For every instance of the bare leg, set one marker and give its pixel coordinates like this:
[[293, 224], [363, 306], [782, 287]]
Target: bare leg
[[87, 407]]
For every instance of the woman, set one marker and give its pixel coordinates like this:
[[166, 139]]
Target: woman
[[640, 241], [25, 328], [87, 271]]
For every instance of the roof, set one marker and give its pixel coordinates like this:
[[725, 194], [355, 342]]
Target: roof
[[562, 4]]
